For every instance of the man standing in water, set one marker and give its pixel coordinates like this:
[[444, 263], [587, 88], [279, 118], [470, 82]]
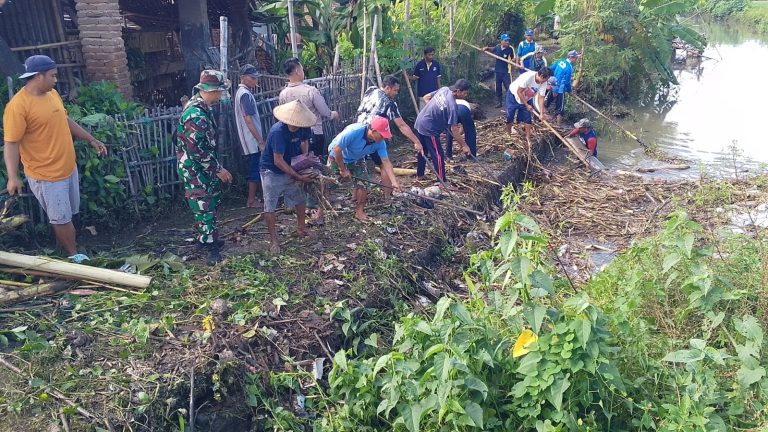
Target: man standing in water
[[583, 129], [198, 162], [38, 131]]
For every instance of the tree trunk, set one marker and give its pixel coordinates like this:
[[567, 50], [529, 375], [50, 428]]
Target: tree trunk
[[9, 63], [195, 33], [242, 40]]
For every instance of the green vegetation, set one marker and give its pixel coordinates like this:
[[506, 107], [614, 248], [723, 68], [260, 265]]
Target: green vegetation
[[756, 16], [669, 337], [627, 45], [724, 8]]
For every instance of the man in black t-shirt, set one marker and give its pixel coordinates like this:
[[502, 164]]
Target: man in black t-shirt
[[381, 102]]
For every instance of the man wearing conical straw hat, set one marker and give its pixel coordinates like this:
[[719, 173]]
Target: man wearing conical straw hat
[[287, 138]]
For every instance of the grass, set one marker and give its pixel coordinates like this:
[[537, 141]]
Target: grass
[[756, 15]]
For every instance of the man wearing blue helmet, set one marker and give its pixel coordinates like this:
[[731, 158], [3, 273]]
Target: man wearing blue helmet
[[502, 69]]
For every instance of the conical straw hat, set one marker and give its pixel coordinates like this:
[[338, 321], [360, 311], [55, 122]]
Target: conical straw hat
[[295, 114]]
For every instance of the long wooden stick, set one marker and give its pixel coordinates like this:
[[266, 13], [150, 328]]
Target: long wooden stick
[[614, 122], [489, 53], [428, 198], [410, 90], [79, 271], [573, 150], [32, 291]]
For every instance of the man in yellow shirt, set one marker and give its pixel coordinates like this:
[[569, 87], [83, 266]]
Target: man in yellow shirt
[[38, 130]]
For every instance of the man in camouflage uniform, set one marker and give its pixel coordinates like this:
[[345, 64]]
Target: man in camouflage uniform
[[198, 164]]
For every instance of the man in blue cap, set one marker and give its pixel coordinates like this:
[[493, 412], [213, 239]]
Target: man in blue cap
[[527, 46], [38, 131], [502, 69], [562, 70]]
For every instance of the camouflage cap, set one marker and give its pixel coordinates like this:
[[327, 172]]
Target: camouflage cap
[[583, 124], [213, 80]]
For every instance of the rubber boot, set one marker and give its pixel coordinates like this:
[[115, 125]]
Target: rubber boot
[[214, 253]]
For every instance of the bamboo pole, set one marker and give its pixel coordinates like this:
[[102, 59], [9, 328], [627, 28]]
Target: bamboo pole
[[292, 25], [32, 291], [630, 134], [374, 54], [79, 271], [365, 50], [410, 90], [224, 44], [568, 144], [375, 47]]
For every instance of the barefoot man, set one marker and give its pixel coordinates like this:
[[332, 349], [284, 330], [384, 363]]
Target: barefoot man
[[287, 138], [347, 155]]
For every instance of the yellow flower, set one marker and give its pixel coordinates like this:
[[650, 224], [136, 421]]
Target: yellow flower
[[208, 325], [525, 339]]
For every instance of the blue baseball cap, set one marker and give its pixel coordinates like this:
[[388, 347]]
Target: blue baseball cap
[[529, 32], [36, 64], [504, 37], [552, 81], [573, 53]]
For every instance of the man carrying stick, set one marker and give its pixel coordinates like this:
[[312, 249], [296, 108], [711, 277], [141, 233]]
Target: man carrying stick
[[522, 90], [381, 102], [440, 114], [348, 152]]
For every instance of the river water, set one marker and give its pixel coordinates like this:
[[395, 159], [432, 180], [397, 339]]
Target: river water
[[719, 105]]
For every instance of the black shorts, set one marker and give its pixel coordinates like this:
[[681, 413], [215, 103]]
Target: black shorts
[[317, 145]]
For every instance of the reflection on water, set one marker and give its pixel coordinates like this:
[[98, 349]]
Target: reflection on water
[[720, 101]]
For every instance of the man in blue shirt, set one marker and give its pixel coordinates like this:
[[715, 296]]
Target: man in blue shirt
[[502, 69], [427, 72], [526, 47], [287, 138], [348, 155], [439, 115], [562, 70]]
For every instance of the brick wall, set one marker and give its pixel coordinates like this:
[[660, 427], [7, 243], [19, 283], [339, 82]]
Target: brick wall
[[101, 35]]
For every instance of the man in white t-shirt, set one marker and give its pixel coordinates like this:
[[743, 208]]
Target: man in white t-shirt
[[525, 87]]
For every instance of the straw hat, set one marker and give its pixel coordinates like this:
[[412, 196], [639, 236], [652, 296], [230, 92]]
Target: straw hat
[[295, 114]]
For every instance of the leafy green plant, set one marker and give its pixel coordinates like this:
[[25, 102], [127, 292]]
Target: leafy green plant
[[506, 358]]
